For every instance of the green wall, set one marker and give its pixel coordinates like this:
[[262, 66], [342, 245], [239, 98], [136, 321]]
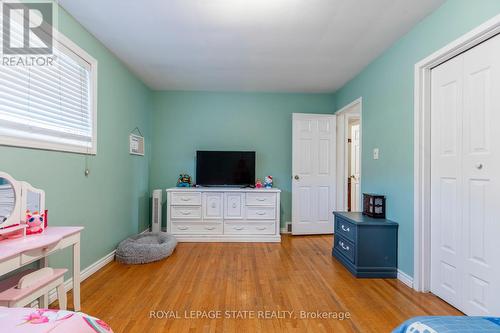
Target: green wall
[[113, 202], [184, 122], [386, 86]]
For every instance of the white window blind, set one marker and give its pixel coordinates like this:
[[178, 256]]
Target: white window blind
[[48, 106]]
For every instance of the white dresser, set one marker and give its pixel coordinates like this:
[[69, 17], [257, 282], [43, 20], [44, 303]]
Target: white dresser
[[224, 214]]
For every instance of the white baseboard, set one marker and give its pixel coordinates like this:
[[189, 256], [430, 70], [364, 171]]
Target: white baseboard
[[405, 278], [87, 272]]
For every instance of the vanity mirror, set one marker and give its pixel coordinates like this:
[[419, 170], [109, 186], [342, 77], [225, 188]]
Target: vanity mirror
[[16, 197], [10, 201]]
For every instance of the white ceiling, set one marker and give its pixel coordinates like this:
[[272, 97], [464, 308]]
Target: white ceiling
[[248, 45]]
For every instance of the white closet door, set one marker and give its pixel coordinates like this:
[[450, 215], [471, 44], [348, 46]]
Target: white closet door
[[313, 167], [481, 183], [465, 176], [446, 215]]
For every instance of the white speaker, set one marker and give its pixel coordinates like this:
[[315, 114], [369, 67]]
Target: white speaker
[[156, 214]]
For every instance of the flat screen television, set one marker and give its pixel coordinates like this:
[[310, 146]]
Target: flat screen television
[[225, 168]]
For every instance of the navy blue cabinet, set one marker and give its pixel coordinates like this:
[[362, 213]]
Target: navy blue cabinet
[[367, 247]]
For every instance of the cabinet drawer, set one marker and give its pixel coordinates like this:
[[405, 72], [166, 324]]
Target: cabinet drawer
[[261, 199], [185, 198], [234, 206], [212, 206], [255, 228], [345, 247], [345, 229], [185, 212], [261, 213], [202, 228], [35, 254]]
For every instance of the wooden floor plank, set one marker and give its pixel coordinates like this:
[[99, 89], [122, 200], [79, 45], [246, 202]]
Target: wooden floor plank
[[299, 274]]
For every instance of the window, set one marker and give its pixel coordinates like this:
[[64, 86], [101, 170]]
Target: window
[[51, 107]]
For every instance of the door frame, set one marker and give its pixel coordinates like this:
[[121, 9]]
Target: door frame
[[343, 116], [422, 145]]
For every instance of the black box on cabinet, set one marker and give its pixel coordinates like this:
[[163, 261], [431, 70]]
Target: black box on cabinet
[[374, 205]]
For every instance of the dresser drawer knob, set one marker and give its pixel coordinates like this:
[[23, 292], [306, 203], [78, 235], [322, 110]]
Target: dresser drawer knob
[[182, 228], [344, 228], [238, 228], [210, 228], [234, 204], [185, 213], [345, 247], [260, 213], [261, 199], [185, 199]]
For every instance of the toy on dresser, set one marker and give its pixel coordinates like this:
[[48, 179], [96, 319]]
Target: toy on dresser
[[184, 180], [268, 182]]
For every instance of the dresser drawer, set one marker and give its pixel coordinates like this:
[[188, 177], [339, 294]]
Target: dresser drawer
[[345, 229], [185, 198], [261, 213], [202, 228], [261, 199], [185, 212], [234, 203], [212, 206], [249, 228], [345, 247]]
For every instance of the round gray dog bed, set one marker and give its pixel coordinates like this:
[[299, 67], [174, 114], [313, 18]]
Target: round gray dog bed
[[144, 248]]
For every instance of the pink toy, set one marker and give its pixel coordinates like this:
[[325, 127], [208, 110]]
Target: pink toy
[[35, 223], [258, 183]]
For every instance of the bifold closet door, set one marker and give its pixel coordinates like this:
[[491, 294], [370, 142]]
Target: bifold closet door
[[465, 180]]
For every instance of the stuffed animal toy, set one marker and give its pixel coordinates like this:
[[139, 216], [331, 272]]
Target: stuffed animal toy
[[258, 183], [268, 182], [184, 180], [35, 222]]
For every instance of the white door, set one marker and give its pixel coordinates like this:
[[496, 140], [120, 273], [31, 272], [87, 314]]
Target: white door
[[465, 180], [313, 169], [355, 169]]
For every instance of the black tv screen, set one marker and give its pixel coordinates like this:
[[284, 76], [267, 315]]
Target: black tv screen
[[225, 168]]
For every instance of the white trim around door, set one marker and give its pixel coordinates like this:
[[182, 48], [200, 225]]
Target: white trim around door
[[351, 110], [422, 137]]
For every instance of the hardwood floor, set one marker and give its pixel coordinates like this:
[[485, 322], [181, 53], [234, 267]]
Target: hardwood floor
[[297, 275]]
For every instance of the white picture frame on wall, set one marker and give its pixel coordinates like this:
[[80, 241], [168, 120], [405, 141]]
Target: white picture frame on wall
[[136, 144]]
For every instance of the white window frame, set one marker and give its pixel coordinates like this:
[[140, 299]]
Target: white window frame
[[61, 39]]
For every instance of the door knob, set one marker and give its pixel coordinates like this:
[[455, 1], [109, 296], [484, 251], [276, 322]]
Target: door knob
[[479, 166], [296, 177]]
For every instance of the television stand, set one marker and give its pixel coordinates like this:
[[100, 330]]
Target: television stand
[[224, 214]]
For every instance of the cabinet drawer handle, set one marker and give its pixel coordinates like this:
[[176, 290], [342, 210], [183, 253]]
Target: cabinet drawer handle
[[238, 228], [346, 229], [183, 228], [185, 213], [210, 228], [345, 247], [260, 213], [261, 228], [261, 199], [185, 199]]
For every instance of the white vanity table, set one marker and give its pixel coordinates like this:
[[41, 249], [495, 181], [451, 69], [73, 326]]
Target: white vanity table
[[15, 198]]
